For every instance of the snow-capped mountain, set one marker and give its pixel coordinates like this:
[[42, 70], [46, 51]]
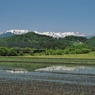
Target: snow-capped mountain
[[18, 31], [12, 32], [59, 34], [1, 33], [90, 35], [51, 34]]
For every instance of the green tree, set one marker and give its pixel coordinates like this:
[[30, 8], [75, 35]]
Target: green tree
[[78, 51], [3, 51], [66, 51], [12, 52]]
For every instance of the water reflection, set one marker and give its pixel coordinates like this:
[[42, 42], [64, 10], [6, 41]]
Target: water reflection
[[69, 69], [15, 71], [63, 74], [12, 70]]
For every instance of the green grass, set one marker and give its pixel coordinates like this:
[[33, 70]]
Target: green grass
[[47, 59], [31, 63], [29, 67], [88, 55]]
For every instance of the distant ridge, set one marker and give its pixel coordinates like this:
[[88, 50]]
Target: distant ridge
[[12, 33], [15, 31], [60, 34], [8, 34], [51, 34], [34, 40]]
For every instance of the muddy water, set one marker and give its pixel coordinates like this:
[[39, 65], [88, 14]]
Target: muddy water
[[63, 74]]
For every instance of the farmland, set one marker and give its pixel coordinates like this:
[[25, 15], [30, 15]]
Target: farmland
[[76, 76], [44, 88]]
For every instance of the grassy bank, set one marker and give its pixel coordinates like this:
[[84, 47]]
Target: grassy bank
[[29, 67], [34, 62], [90, 55]]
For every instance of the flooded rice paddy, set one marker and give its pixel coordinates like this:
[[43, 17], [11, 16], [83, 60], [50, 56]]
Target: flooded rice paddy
[[63, 74], [53, 80]]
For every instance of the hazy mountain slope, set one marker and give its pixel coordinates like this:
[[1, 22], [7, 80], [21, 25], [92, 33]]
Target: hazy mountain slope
[[51, 34], [8, 34]]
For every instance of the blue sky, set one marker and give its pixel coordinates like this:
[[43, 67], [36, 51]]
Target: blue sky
[[48, 15]]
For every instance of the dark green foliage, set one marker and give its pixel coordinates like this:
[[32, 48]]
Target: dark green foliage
[[54, 52], [77, 49], [4, 51], [67, 50], [91, 42], [21, 53], [76, 38], [12, 52], [33, 40], [86, 50], [28, 40], [31, 43]]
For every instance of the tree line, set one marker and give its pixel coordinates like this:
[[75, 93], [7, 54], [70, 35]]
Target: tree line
[[31, 43], [33, 40], [16, 51]]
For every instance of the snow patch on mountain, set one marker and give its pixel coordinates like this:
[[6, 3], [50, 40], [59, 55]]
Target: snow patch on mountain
[[51, 34], [1, 33], [18, 31], [59, 34]]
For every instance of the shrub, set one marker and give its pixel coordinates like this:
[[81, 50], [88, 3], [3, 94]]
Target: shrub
[[78, 51]]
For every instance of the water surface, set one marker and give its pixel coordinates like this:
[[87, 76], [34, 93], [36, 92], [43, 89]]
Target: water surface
[[63, 74]]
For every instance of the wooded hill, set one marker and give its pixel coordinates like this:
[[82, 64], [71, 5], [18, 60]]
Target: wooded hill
[[40, 41], [69, 44]]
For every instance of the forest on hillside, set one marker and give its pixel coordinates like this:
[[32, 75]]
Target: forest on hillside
[[32, 43]]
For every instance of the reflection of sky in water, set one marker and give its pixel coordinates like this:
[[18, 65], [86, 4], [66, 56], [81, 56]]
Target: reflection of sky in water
[[54, 74], [74, 69]]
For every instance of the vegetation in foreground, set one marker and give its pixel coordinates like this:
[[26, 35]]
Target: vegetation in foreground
[[32, 51], [31, 43], [10, 87], [22, 65], [44, 88], [16, 51]]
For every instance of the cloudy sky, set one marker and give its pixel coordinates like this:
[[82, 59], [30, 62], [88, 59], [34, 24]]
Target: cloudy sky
[[48, 15]]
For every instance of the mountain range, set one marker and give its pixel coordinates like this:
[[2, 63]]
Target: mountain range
[[50, 40], [60, 34], [51, 34], [12, 33], [43, 44], [34, 40]]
